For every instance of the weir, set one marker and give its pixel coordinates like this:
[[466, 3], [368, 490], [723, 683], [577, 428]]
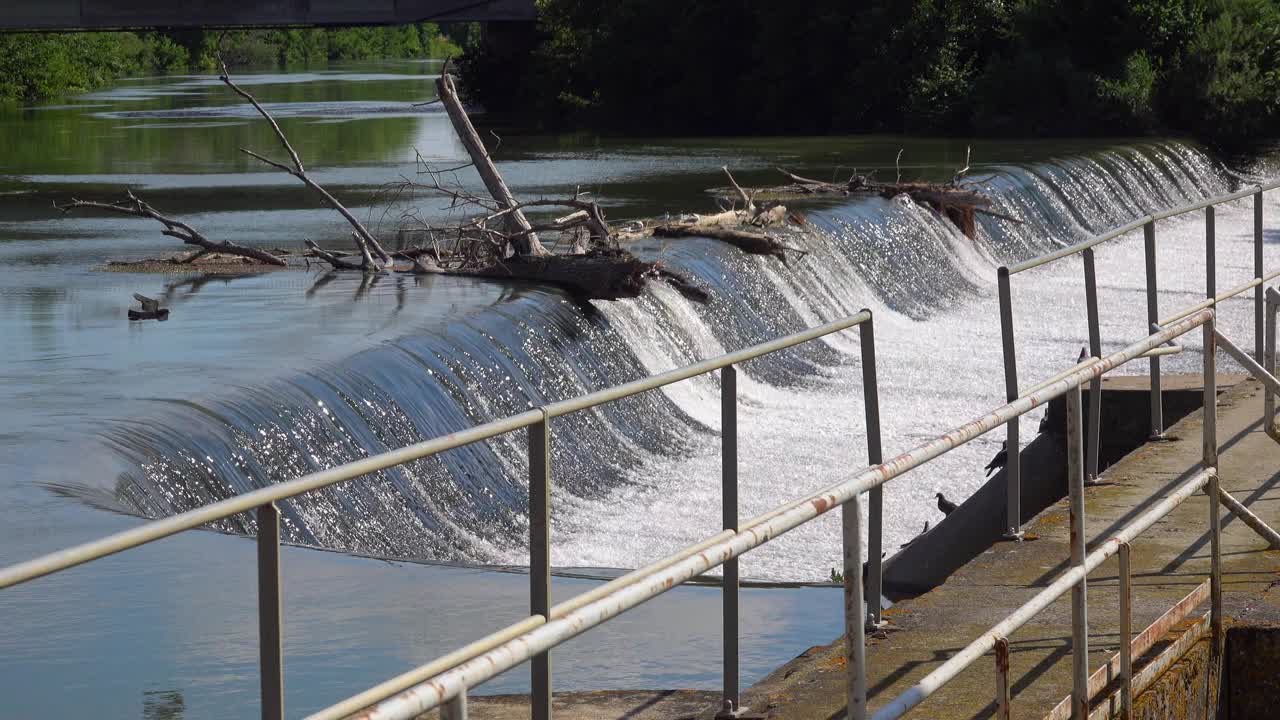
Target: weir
[[1118, 513]]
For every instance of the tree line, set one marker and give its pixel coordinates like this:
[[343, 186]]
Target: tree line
[[35, 65], [1209, 68]]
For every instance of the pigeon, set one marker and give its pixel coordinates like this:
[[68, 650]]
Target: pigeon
[[1084, 355], [999, 460], [945, 505]]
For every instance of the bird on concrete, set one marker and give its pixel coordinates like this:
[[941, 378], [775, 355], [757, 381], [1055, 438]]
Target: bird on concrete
[[1084, 355], [999, 460], [945, 505]]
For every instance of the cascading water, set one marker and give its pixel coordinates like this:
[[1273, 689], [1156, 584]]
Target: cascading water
[[640, 477]]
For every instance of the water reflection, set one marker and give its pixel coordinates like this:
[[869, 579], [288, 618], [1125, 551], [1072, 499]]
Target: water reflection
[[163, 705]]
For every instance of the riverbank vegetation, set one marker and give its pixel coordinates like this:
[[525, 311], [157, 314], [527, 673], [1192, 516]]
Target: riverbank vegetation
[[35, 66], [1210, 68]]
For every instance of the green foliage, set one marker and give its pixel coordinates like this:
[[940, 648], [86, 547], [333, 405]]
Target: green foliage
[[1021, 67], [34, 66]]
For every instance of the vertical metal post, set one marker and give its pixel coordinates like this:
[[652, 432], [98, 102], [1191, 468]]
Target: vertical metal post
[[271, 666], [455, 708], [1079, 593], [540, 556], [1257, 274], [875, 507], [1126, 633], [854, 617], [1210, 460], [1153, 317], [1002, 679], [1013, 465], [1210, 253], [1095, 350], [1269, 360], [729, 499]]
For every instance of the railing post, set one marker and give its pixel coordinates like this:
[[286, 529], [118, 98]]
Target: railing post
[[1153, 317], [1013, 464], [854, 614], [455, 708], [875, 506], [1210, 254], [1079, 592], [271, 666], [1257, 274], [1210, 461], [1269, 359], [1095, 350], [1126, 633], [540, 556], [729, 499], [1002, 679]]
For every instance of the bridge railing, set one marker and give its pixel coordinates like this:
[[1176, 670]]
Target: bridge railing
[[1085, 249]]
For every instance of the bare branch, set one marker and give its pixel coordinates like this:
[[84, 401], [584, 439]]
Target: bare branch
[[173, 228], [298, 170]]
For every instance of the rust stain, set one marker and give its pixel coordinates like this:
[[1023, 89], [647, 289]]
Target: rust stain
[[820, 504], [1002, 656]]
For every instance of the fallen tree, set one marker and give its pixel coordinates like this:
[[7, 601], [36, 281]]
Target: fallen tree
[[494, 238]]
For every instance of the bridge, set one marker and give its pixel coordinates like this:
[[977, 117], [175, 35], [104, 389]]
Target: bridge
[[52, 15]]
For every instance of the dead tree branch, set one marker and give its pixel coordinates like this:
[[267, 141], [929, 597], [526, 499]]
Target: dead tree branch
[[524, 240], [298, 170], [173, 228]]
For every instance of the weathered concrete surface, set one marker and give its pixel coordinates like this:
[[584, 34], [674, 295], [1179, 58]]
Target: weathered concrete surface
[[1168, 561]]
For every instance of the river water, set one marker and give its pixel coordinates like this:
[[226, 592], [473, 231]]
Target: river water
[[258, 379]]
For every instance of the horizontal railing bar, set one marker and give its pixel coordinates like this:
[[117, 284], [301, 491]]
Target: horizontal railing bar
[[1139, 645], [1246, 516], [164, 527], [401, 682], [435, 691], [1130, 227], [1005, 628], [1163, 350], [1247, 362], [599, 397], [1210, 302], [1046, 383]]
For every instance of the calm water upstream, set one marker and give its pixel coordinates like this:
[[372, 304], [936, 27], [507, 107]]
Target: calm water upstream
[[258, 379]]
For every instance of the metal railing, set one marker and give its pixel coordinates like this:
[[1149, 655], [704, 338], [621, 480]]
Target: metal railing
[[262, 502], [445, 682], [1013, 466]]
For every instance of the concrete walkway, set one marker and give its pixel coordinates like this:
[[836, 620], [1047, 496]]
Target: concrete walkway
[[1168, 561]]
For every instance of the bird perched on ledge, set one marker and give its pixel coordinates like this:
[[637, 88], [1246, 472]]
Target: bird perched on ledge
[[945, 505], [999, 460]]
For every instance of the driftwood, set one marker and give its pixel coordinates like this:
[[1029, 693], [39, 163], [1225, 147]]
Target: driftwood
[[748, 241], [151, 309], [527, 242], [362, 235], [956, 203], [132, 205]]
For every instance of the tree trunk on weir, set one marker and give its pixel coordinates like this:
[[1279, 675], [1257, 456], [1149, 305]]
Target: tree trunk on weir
[[526, 242]]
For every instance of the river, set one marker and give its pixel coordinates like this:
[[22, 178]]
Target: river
[[261, 378]]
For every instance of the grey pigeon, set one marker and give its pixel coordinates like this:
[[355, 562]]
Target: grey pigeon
[[945, 505]]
